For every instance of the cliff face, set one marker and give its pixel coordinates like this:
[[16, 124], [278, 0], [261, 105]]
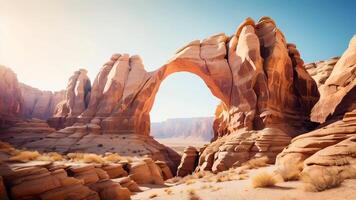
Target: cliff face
[[333, 143], [10, 97], [199, 128], [39, 104], [20, 101]]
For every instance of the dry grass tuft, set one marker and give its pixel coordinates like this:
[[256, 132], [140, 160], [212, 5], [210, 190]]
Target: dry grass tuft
[[289, 172], [114, 157], [153, 195], [86, 157], [193, 195], [52, 156], [7, 148], [75, 156], [190, 181], [168, 191], [264, 179], [321, 179], [25, 156], [92, 158]]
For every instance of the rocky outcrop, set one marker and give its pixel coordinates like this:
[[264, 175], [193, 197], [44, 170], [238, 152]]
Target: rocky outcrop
[[10, 97], [188, 162], [39, 104], [258, 77], [197, 128], [320, 71], [332, 144], [339, 90], [266, 96], [19, 101]]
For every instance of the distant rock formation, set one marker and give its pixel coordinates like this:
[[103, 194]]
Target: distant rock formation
[[20, 101], [198, 128], [10, 97], [39, 104]]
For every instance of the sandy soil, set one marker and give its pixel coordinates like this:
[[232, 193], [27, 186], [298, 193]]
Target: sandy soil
[[242, 189], [178, 144]]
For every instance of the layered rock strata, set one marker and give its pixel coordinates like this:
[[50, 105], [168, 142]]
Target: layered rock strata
[[332, 144]]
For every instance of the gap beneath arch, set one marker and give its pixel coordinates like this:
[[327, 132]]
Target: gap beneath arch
[[182, 113]]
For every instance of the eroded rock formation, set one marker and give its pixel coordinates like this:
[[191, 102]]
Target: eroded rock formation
[[333, 143], [39, 104], [258, 77], [266, 96], [10, 97], [20, 101]]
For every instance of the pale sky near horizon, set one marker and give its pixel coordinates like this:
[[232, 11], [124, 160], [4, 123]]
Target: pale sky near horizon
[[45, 41]]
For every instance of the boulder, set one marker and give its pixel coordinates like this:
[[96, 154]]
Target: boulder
[[188, 162]]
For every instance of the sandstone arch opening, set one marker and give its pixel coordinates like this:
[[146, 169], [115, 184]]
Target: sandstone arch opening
[[182, 112]]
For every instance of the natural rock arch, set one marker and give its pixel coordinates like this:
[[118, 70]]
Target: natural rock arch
[[259, 78]]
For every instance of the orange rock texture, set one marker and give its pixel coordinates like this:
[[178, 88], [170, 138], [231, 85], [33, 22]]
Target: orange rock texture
[[333, 143]]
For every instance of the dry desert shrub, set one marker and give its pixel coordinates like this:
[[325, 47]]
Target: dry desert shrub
[[190, 181], [153, 195], [75, 156], [113, 157], [86, 157], [51, 156], [321, 179], [193, 195], [289, 172], [168, 191], [7, 148], [25, 156], [264, 179], [92, 158]]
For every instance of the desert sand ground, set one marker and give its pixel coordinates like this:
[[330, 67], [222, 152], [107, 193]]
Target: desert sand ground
[[242, 190], [178, 144]]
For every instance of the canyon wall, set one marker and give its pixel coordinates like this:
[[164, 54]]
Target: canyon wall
[[20, 101], [195, 128]]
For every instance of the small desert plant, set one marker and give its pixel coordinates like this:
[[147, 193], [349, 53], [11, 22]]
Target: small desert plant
[[193, 195], [289, 172], [25, 156], [153, 195], [52, 156], [75, 156], [92, 158], [7, 148], [114, 157], [264, 179], [168, 191], [190, 181], [321, 179]]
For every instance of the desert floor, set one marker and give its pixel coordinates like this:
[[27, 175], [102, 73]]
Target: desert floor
[[242, 189]]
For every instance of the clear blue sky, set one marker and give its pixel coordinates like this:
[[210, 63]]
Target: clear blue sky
[[45, 41]]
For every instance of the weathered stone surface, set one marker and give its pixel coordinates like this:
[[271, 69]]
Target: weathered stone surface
[[10, 97], [188, 162], [39, 104], [338, 93], [115, 170], [329, 145], [146, 171]]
